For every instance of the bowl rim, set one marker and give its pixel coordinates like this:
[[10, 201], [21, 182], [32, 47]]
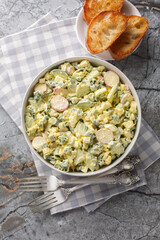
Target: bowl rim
[[94, 61]]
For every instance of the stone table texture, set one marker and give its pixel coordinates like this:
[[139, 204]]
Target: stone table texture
[[132, 215]]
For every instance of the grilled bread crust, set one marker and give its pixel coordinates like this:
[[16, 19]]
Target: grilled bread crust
[[93, 7], [129, 39], [104, 29]]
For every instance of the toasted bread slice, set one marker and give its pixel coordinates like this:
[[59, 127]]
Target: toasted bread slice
[[104, 29], [127, 42], [93, 7]]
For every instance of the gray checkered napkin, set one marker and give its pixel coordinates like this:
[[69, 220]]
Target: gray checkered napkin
[[23, 56]]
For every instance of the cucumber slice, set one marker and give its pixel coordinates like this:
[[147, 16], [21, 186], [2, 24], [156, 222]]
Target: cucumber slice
[[72, 88], [79, 158], [82, 90], [91, 162], [81, 128], [29, 121], [85, 104], [96, 149], [60, 73]]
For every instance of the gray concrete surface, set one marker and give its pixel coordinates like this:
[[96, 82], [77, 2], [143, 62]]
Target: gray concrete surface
[[133, 215]]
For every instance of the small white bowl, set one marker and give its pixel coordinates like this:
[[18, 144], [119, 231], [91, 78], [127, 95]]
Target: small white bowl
[[95, 62], [81, 28]]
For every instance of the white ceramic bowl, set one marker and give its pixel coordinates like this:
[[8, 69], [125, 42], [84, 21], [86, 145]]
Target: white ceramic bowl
[[81, 28], [95, 62]]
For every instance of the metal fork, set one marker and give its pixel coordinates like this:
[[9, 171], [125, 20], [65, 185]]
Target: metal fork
[[52, 199], [51, 183]]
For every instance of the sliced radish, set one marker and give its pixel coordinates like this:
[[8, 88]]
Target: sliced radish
[[127, 97], [59, 103], [104, 136], [39, 142], [111, 79], [42, 88], [61, 91]]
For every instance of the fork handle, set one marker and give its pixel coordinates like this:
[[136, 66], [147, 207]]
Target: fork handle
[[124, 178], [106, 179]]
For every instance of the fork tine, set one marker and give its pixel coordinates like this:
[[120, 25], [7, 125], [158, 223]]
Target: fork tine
[[46, 207], [31, 190], [40, 198], [32, 182], [46, 203], [33, 178], [43, 202], [31, 187]]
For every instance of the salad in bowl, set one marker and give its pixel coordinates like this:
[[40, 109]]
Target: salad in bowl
[[81, 117]]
